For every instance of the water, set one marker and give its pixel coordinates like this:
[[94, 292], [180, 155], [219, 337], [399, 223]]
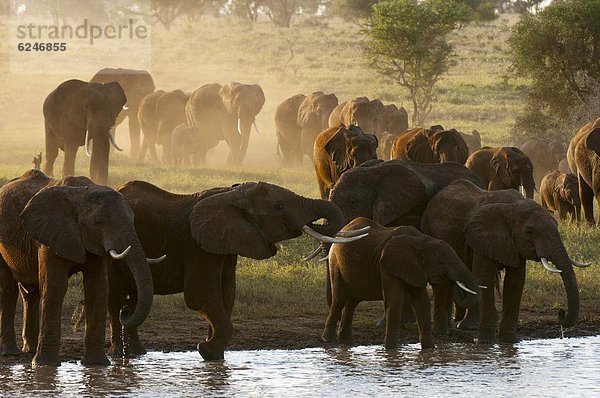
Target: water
[[548, 368]]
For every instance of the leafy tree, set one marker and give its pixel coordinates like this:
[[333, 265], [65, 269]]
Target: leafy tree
[[407, 41]]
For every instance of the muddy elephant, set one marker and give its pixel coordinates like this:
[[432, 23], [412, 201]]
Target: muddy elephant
[[184, 141], [298, 121], [503, 168], [500, 230], [136, 84], [49, 230], [559, 192], [338, 149], [583, 156], [159, 113], [202, 235], [472, 140], [362, 112], [225, 113], [78, 112], [544, 155], [430, 146], [386, 265]]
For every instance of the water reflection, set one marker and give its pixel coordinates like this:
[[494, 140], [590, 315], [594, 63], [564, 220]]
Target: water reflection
[[525, 369]]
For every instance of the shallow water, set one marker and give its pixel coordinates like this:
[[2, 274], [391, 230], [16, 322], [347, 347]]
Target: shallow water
[[531, 368]]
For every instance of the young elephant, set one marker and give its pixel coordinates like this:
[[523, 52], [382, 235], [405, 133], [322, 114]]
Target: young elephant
[[560, 192], [387, 264], [183, 143]]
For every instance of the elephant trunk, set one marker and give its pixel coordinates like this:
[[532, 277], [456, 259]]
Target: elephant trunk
[[528, 184], [99, 158], [560, 258], [245, 127], [137, 264]]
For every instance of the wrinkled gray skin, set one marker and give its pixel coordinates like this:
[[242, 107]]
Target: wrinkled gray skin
[[545, 156], [184, 141]]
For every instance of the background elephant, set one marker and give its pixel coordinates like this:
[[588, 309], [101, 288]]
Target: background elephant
[[500, 230], [563, 165], [384, 149], [430, 146], [136, 84], [202, 234], [503, 168], [583, 156], [338, 149], [393, 120], [472, 140], [75, 113], [159, 113], [184, 141], [544, 155], [560, 192], [360, 112], [49, 230], [385, 265], [225, 113]]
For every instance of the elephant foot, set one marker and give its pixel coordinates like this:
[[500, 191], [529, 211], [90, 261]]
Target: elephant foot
[[27, 349], [485, 339], [10, 351], [391, 345], [510, 338], [328, 336], [45, 360], [427, 345], [210, 353], [345, 339], [95, 360]]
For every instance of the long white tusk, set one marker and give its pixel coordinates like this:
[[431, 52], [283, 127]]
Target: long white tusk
[[578, 264], [463, 287], [125, 108], [112, 141], [549, 267], [114, 254], [239, 126], [256, 128], [87, 143], [322, 260], [328, 239], [355, 232], [313, 254], [156, 260]]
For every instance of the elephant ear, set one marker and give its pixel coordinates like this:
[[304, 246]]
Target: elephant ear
[[336, 148], [116, 94], [593, 140], [51, 219], [500, 165], [418, 149], [400, 258], [488, 232], [399, 192], [220, 225]]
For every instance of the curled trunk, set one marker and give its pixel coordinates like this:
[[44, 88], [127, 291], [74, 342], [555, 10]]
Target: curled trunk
[[136, 262]]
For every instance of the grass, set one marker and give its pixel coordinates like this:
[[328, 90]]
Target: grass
[[327, 57]]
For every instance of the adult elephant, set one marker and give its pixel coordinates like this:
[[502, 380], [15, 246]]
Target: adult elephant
[[360, 112], [49, 230], [225, 113], [78, 112], [472, 140], [544, 155], [393, 120], [136, 84], [159, 113], [386, 142], [202, 235], [503, 168], [298, 121], [430, 146], [338, 149], [583, 156], [500, 230]]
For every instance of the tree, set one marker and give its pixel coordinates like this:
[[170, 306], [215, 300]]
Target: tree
[[558, 51], [353, 10], [407, 41]]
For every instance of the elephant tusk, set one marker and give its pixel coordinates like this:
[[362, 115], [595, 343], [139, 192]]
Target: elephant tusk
[[239, 126], [463, 287], [482, 287], [156, 260], [125, 108], [87, 143], [578, 264], [256, 128], [313, 254], [549, 267], [328, 239], [112, 141], [348, 234], [324, 259], [116, 255]]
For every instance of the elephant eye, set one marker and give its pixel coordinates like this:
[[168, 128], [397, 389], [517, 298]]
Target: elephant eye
[[278, 206], [98, 222]]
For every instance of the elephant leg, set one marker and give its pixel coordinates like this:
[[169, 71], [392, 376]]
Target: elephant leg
[[9, 294], [485, 270], [562, 210], [95, 289], [53, 275], [393, 301], [143, 149], [442, 307], [339, 300], [514, 281], [153, 155], [134, 132], [31, 318], [408, 316], [229, 285], [345, 333], [422, 307], [234, 150], [70, 155], [51, 153], [587, 200]]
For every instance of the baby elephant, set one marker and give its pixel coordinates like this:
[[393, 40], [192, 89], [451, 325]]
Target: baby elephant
[[183, 143], [386, 264], [559, 192]]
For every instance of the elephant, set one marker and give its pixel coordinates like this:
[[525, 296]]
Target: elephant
[[159, 113], [338, 149], [184, 143], [360, 112], [37, 161], [583, 156], [560, 192], [563, 165], [75, 113], [503, 168], [393, 120], [298, 121], [388, 264], [384, 150], [49, 230], [472, 140], [202, 235], [544, 155], [136, 84], [225, 113], [493, 230], [430, 146]]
